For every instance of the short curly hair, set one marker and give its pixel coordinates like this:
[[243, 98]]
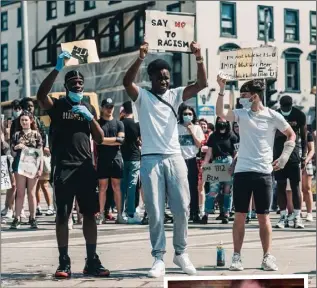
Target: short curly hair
[[254, 86], [158, 65]]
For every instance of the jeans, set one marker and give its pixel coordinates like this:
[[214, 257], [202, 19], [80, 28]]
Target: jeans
[[193, 185], [166, 175], [215, 189], [131, 171]]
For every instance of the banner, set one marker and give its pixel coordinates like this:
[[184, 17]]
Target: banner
[[169, 32], [83, 52], [216, 172], [30, 161], [249, 63], [5, 177]]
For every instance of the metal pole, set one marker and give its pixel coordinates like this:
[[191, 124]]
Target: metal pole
[[25, 44], [266, 40]]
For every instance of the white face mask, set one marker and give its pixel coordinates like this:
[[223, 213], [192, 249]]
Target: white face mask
[[286, 113], [245, 102], [16, 114]]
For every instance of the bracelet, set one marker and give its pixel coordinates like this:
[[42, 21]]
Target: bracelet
[[199, 59], [141, 58], [219, 94]]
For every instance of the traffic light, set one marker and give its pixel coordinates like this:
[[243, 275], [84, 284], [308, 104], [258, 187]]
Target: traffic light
[[270, 90]]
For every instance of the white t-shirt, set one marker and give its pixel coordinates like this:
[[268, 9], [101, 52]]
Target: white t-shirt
[[257, 132], [158, 124], [186, 140]]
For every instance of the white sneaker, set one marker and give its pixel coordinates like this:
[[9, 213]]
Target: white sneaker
[[9, 214], [309, 217], [298, 223], [3, 221], [268, 263], [70, 223], [236, 263], [121, 219], [158, 269], [184, 263], [281, 222], [23, 214], [100, 218], [50, 211], [135, 220], [4, 211]]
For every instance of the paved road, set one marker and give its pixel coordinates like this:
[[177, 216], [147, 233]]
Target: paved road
[[30, 257]]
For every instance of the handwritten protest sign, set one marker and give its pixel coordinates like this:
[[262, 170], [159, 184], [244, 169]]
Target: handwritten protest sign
[[169, 32], [249, 63], [5, 177], [83, 52], [216, 172], [30, 161], [236, 146]]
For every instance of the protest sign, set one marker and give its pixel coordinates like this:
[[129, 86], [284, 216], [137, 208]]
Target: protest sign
[[169, 32], [216, 172], [83, 52], [236, 146], [5, 177], [30, 161], [206, 108], [249, 63]]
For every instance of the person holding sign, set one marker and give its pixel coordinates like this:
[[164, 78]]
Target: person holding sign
[[74, 121], [253, 171], [27, 136], [163, 169], [221, 149]]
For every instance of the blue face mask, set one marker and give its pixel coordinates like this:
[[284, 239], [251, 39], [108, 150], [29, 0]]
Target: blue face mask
[[75, 97], [188, 119]]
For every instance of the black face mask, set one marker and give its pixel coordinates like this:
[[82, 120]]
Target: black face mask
[[221, 126]]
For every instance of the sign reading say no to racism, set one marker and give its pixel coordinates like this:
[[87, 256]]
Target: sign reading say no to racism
[[169, 32]]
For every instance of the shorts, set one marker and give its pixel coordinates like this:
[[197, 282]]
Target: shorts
[[107, 169], [45, 177], [76, 181], [290, 171], [309, 169], [244, 183]]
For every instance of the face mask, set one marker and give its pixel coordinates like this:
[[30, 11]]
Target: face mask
[[246, 104], [16, 114], [75, 97], [188, 119], [221, 126], [205, 130], [286, 113]]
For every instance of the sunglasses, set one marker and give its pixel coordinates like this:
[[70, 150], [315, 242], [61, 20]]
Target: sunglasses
[[187, 114]]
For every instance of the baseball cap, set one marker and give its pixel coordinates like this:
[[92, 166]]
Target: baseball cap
[[107, 102]]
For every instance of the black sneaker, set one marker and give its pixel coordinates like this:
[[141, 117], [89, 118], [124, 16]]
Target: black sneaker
[[225, 220], [63, 271], [196, 219], [33, 223], [39, 212], [220, 217], [247, 220], [15, 224], [204, 219], [94, 267]]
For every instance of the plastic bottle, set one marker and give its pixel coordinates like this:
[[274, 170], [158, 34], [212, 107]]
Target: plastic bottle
[[221, 261]]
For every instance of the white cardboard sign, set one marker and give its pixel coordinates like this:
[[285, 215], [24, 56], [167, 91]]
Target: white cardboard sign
[[30, 161], [169, 32], [216, 172], [249, 63], [5, 177]]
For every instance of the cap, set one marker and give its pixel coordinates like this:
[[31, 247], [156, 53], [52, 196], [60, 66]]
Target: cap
[[286, 101], [107, 102]]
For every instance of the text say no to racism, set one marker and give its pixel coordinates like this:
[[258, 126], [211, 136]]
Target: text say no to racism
[[171, 36]]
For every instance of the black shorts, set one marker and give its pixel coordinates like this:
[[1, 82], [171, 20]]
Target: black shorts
[[76, 181], [107, 169], [244, 183], [290, 171]]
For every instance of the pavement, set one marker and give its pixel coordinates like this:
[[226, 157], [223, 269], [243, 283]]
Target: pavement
[[30, 257]]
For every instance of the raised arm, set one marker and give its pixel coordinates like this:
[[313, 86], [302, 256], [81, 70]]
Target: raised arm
[[201, 82], [128, 80], [229, 116], [45, 102]]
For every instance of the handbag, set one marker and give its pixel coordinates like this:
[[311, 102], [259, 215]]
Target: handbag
[[47, 164]]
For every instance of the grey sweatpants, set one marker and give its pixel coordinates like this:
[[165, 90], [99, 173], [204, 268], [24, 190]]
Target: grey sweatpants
[[163, 175]]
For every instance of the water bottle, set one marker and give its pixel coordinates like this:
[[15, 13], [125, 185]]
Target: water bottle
[[221, 261]]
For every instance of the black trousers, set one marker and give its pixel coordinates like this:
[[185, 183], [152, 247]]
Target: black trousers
[[193, 185]]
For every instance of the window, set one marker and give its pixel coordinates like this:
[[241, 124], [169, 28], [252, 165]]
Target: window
[[88, 5], [4, 58], [261, 22], [228, 19], [19, 17], [230, 85], [113, 2], [292, 69], [291, 25], [4, 90], [313, 68], [139, 30], [70, 7], [20, 55], [51, 10], [4, 21], [90, 32], [70, 34], [114, 37], [312, 16], [174, 7]]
